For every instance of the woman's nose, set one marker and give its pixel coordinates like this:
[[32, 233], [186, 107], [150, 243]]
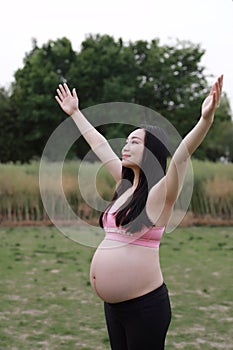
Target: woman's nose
[[125, 148]]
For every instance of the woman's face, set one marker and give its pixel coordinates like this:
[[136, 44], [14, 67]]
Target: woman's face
[[132, 152]]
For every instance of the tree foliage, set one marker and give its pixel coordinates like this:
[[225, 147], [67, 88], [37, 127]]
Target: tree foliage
[[10, 132], [34, 90], [219, 140], [165, 78]]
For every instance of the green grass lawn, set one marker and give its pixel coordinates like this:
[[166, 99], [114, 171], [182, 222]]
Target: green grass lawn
[[46, 301]]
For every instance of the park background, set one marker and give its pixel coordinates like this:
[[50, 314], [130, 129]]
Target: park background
[[168, 79], [46, 294]]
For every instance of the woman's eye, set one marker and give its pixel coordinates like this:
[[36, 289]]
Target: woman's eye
[[131, 142]]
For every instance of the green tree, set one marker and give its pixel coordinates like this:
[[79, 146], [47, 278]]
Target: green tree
[[219, 141], [34, 90], [104, 71], [166, 78], [171, 80], [10, 134]]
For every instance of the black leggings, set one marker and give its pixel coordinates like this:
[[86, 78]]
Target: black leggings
[[140, 323]]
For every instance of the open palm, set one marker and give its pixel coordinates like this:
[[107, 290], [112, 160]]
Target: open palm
[[67, 101], [212, 100]]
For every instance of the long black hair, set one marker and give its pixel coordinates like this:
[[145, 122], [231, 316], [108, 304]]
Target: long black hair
[[132, 215]]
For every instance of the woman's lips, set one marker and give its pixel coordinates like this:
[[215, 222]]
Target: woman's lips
[[124, 156]]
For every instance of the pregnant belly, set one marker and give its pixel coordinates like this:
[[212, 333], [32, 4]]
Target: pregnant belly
[[125, 272]]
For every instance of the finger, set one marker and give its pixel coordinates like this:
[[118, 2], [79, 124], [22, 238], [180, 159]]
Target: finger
[[60, 95], [214, 101], [62, 90], [221, 82], [221, 77], [217, 86], [67, 89], [217, 89], [220, 85], [58, 100], [213, 89], [74, 93]]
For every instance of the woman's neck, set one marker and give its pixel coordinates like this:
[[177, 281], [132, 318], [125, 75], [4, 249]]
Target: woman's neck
[[136, 178]]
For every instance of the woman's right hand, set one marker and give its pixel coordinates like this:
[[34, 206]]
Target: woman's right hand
[[68, 101]]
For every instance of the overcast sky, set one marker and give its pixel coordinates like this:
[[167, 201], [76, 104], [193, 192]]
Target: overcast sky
[[207, 22]]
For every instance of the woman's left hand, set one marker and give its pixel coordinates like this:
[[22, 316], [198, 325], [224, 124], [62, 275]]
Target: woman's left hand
[[213, 100]]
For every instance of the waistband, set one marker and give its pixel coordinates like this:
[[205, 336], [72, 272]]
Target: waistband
[[132, 240], [156, 292]]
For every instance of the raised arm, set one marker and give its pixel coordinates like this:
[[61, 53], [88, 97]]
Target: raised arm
[[177, 168], [70, 104]]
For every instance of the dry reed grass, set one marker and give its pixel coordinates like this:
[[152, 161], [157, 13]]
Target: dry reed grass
[[20, 199]]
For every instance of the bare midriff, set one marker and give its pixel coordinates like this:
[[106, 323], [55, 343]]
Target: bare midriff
[[121, 272]]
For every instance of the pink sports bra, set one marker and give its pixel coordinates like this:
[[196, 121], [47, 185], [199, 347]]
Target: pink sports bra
[[147, 237]]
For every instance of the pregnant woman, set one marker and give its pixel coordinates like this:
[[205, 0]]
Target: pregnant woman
[[125, 270]]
